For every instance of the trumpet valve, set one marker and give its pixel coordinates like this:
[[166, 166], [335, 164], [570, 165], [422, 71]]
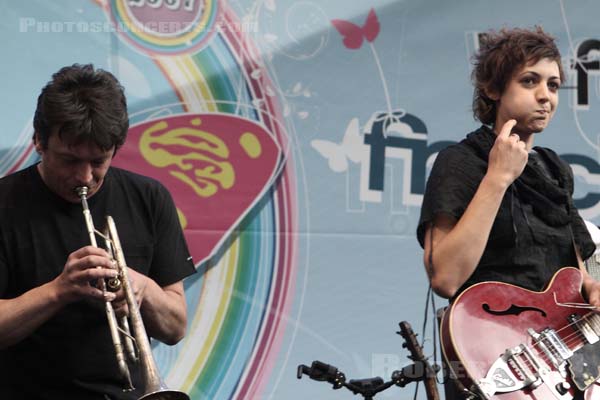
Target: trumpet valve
[[113, 284]]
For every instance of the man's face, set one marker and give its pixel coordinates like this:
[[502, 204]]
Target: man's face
[[66, 166]]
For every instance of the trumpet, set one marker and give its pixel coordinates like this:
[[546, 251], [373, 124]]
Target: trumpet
[[137, 346]]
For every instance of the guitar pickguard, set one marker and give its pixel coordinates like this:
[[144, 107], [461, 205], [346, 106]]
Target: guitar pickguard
[[584, 365]]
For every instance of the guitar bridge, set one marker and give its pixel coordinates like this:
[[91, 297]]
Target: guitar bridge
[[519, 368]]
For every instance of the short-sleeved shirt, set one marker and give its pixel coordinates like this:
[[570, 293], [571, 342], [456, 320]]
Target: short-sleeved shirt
[[533, 232], [71, 355]]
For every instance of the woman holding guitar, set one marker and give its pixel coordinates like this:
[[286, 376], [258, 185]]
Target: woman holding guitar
[[496, 208]]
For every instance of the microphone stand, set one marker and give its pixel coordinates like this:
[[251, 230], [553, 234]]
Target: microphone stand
[[368, 387], [419, 370]]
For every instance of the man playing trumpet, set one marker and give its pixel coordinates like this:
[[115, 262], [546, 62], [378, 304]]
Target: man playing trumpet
[[54, 338]]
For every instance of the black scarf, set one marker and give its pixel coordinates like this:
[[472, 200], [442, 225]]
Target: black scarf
[[551, 202]]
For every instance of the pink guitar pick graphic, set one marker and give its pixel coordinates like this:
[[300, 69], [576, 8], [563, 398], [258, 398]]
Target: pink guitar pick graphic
[[216, 166]]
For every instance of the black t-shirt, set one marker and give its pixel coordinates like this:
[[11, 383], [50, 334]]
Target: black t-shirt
[[532, 234], [71, 356]]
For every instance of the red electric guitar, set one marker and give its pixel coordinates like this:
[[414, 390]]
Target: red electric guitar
[[503, 342]]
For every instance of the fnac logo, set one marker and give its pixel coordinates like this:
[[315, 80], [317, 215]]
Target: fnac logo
[[165, 27]]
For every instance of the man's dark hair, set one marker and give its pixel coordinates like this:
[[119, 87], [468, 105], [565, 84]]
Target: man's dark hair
[[83, 105], [501, 55]]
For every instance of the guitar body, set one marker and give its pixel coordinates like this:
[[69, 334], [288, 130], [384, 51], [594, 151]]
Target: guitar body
[[491, 317]]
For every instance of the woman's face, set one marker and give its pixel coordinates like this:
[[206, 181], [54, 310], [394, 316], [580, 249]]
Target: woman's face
[[530, 97]]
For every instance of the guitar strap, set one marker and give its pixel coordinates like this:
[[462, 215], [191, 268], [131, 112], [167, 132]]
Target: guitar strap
[[430, 266], [580, 263], [430, 297]]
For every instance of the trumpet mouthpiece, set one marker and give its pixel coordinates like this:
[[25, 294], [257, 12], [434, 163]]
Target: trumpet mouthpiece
[[81, 191]]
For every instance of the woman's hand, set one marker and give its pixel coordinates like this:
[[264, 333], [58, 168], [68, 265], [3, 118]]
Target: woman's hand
[[508, 156]]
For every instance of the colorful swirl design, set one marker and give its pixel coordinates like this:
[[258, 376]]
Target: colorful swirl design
[[239, 303], [237, 306]]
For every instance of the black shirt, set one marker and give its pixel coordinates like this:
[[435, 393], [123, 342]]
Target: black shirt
[[71, 355], [532, 235]]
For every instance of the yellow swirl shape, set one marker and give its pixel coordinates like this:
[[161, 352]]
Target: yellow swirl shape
[[207, 174]]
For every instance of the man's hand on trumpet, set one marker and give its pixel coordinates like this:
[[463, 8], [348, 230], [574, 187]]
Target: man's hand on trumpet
[[138, 283], [83, 267]]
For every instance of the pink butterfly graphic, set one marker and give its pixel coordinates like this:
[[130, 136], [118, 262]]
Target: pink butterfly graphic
[[354, 34]]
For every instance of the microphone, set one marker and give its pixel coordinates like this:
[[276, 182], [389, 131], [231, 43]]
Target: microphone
[[319, 371]]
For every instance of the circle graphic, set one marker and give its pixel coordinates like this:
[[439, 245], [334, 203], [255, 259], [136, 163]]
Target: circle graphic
[[165, 27]]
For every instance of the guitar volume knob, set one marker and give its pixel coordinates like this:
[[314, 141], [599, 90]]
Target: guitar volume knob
[[563, 387]]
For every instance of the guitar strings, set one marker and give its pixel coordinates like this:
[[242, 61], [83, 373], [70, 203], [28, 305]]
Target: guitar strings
[[574, 339], [571, 340]]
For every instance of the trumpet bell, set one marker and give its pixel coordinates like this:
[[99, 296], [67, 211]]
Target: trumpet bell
[[167, 394]]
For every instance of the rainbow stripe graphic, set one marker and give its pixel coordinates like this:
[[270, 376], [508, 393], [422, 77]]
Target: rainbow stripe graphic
[[21, 154], [237, 305]]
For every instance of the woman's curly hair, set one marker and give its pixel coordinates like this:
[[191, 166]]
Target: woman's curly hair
[[501, 54]]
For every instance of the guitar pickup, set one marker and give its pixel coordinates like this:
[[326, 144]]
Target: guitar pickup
[[588, 326], [552, 346]]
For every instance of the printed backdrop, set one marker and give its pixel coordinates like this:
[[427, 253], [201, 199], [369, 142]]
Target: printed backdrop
[[295, 137]]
